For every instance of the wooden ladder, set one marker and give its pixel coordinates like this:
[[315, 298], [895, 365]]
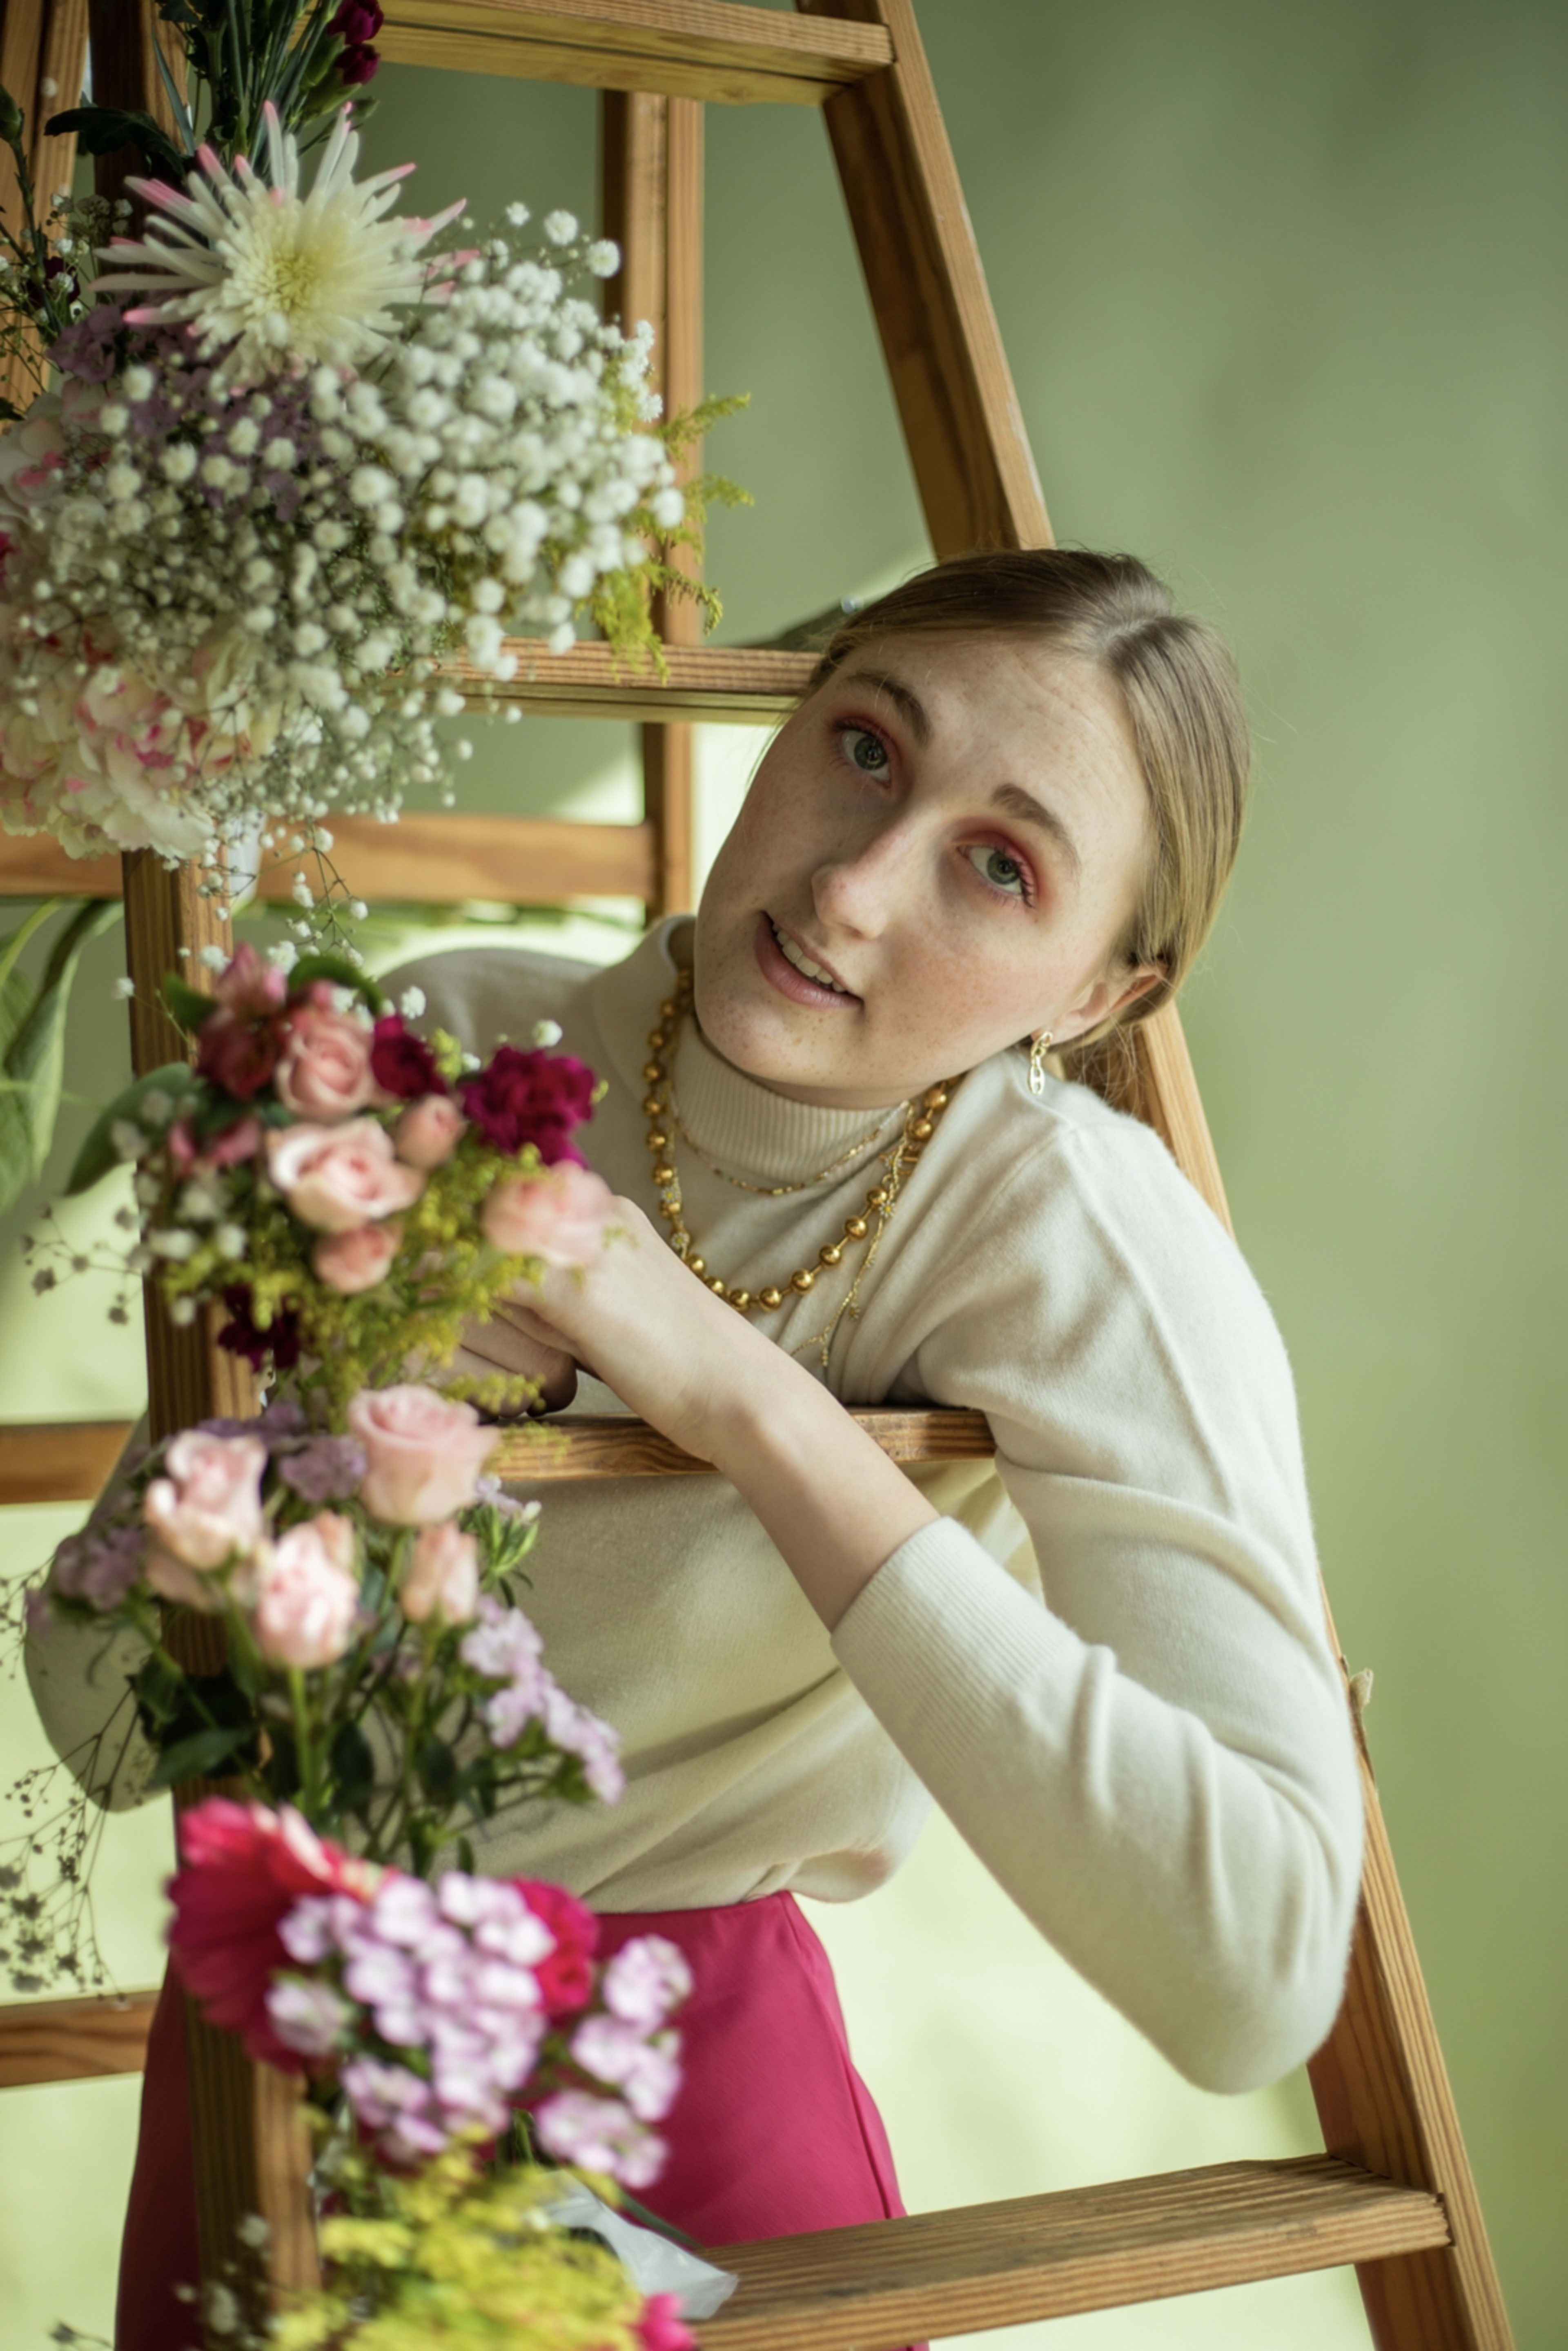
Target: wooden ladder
[[1393, 2193]]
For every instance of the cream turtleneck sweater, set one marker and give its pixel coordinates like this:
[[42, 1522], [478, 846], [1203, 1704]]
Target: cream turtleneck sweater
[[1107, 1661]]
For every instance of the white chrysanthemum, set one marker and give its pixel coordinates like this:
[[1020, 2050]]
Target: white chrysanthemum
[[279, 277]]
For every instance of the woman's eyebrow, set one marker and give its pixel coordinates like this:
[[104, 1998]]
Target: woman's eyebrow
[[1016, 801], [904, 700]]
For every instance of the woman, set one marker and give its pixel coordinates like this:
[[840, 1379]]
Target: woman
[[1004, 811]]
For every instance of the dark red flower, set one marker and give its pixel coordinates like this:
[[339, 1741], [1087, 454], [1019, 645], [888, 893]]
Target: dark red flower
[[538, 1098], [244, 1869], [403, 1064], [566, 1978], [357, 21], [357, 65], [243, 1335], [250, 985], [237, 1054]]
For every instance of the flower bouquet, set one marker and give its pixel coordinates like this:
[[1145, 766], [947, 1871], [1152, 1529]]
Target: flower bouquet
[[303, 448], [348, 1195]]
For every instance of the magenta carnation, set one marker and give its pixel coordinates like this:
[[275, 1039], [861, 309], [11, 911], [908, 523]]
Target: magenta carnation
[[538, 1098], [565, 1976], [401, 1063]]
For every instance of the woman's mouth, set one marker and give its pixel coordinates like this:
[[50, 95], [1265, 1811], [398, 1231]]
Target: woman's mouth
[[793, 972]]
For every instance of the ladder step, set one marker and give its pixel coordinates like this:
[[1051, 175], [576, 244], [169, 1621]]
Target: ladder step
[[880, 2287], [609, 1445], [730, 685], [74, 2039], [686, 49], [65, 1461]]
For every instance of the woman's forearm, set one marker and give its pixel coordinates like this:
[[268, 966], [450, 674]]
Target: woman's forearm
[[829, 1497]]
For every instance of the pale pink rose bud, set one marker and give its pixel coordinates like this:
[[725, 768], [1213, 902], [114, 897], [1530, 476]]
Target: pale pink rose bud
[[429, 1131], [423, 1453], [208, 1507], [443, 1578], [324, 1068], [349, 1262], [306, 1597], [336, 1178], [187, 1587], [560, 1217]]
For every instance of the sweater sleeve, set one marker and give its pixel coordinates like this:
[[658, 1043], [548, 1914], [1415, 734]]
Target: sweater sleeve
[[1158, 1763]]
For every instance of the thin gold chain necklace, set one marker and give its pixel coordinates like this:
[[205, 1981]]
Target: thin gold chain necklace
[[775, 1191], [922, 1118]]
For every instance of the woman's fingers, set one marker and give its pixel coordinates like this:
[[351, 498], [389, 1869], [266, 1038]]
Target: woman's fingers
[[498, 1345]]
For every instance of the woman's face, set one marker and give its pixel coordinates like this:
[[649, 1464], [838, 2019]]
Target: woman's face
[[937, 856]]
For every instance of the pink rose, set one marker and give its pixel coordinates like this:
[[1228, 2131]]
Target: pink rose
[[443, 1578], [349, 1262], [324, 1069], [236, 1142], [208, 1506], [560, 1217], [336, 1178], [423, 1453], [429, 1131], [186, 1587], [250, 986], [306, 1595]]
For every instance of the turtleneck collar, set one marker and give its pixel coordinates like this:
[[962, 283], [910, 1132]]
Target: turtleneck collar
[[743, 1127]]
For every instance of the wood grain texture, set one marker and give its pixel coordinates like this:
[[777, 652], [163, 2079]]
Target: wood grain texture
[[871, 2288], [734, 685], [950, 377], [74, 2039], [585, 1444], [684, 49], [43, 60], [62, 1461]]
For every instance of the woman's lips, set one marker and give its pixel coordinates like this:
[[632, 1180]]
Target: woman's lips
[[778, 968]]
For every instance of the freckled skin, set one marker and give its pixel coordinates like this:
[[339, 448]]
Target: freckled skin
[[884, 861]]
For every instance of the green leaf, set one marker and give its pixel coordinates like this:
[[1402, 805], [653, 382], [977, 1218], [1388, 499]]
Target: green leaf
[[188, 1008], [104, 130], [437, 1769], [353, 1768], [33, 1029], [160, 1691], [11, 413], [341, 972], [98, 1154], [198, 1757]]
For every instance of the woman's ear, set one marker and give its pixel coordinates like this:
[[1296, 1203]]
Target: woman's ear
[[1107, 998]]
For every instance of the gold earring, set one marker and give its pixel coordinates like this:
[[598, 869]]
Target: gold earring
[[1039, 1049]]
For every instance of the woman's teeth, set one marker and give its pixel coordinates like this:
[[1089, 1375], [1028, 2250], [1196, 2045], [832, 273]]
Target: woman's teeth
[[802, 961]]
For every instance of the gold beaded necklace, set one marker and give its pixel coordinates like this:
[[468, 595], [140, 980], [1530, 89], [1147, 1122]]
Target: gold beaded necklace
[[922, 1117]]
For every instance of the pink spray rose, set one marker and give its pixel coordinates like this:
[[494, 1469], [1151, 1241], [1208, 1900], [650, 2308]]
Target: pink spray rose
[[560, 1217], [335, 1179], [429, 1131], [423, 1453], [306, 1595], [251, 986], [349, 1262], [208, 1506], [324, 1069], [443, 1578], [238, 1142]]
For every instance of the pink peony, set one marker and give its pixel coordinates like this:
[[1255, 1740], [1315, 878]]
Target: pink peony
[[336, 1178], [307, 1595], [324, 1068], [423, 1453], [244, 1869], [208, 1506], [429, 1132], [661, 2326], [443, 1577], [560, 1217], [565, 1976], [349, 1262]]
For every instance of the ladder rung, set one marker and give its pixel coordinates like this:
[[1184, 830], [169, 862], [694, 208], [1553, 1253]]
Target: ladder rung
[[727, 686], [74, 2039], [612, 1445], [64, 1461], [686, 49], [873, 2288]]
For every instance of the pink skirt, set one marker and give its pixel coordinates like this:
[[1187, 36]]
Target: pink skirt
[[773, 2134]]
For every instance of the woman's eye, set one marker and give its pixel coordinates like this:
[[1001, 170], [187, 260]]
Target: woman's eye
[[1002, 872], [864, 750]]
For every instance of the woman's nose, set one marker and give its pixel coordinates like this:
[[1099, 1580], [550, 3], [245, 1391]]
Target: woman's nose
[[859, 892]]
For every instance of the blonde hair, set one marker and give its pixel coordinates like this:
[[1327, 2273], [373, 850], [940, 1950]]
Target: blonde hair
[[1182, 696]]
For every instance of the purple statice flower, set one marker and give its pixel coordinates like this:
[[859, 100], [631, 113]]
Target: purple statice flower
[[494, 1495], [311, 2017], [600, 2135], [100, 1564], [87, 349], [326, 1469]]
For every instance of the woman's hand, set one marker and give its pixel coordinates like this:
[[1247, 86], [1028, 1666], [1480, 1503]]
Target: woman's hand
[[716, 1385]]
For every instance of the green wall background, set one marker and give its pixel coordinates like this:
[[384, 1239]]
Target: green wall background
[[1281, 289]]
